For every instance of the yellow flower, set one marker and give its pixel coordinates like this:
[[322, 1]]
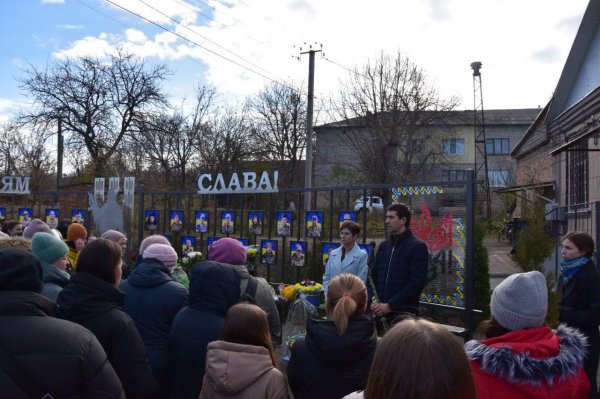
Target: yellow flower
[[289, 292], [309, 289]]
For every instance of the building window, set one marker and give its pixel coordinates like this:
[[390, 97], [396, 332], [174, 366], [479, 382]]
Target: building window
[[453, 175], [497, 146], [453, 146], [417, 146], [498, 178], [577, 173]]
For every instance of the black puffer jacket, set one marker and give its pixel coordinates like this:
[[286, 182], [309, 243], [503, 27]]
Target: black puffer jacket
[[152, 299], [96, 305], [63, 357], [326, 365], [214, 289]]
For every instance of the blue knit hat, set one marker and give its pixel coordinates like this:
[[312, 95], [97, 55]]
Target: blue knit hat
[[47, 247]]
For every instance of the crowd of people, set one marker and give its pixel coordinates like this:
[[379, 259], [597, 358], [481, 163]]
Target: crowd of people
[[78, 323]]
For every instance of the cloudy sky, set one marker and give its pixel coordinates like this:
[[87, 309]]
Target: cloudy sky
[[241, 45]]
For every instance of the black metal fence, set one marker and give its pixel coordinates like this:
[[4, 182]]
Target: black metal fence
[[443, 217]]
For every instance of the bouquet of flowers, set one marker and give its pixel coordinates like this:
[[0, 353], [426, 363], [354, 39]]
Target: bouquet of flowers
[[251, 254], [190, 260], [308, 287]]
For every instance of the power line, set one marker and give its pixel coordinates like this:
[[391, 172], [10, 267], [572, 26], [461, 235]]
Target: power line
[[205, 38], [199, 45]]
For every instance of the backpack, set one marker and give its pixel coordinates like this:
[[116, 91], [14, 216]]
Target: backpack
[[250, 294]]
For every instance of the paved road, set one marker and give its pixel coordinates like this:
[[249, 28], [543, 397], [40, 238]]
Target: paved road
[[500, 263]]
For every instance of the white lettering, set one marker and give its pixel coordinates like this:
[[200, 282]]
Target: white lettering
[[201, 188], [22, 184], [235, 181], [220, 182], [264, 180], [265, 185], [15, 185], [7, 184], [249, 181]]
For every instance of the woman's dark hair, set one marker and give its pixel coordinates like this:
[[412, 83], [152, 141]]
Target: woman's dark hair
[[491, 329], [353, 227], [420, 359], [582, 240], [101, 258], [8, 225], [247, 324], [346, 298]]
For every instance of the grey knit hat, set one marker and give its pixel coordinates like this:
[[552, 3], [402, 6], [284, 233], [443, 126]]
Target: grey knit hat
[[520, 301], [35, 226]]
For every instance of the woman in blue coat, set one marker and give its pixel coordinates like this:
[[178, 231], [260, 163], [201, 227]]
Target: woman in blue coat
[[348, 258], [152, 299]]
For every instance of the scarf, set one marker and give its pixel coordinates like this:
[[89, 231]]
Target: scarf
[[570, 267]]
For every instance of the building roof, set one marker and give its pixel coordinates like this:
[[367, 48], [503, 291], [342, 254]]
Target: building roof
[[529, 133], [501, 117], [576, 58]]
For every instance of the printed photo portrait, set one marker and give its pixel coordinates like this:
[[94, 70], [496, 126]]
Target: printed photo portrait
[[347, 216], [151, 216], [326, 249], [176, 220], [25, 216], [2, 214], [298, 253], [188, 243], [227, 222], [268, 252], [78, 216], [255, 222], [284, 223], [202, 221], [52, 217], [314, 223], [244, 241]]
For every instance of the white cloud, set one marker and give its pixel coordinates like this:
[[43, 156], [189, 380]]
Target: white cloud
[[53, 1], [443, 36], [70, 27]]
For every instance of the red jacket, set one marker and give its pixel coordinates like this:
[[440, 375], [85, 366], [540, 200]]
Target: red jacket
[[530, 363]]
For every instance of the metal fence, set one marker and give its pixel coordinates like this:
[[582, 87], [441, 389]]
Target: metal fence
[[442, 217]]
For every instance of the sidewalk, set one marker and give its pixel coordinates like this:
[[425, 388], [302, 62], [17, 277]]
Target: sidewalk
[[500, 263]]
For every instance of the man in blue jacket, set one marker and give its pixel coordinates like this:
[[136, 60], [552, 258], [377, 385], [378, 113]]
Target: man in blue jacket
[[400, 269]]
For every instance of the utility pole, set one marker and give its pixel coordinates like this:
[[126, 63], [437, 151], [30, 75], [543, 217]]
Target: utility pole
[[59, 160], [309, 122], [481, 164]]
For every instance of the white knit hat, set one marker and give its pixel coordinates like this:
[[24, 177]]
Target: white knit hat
[[520, 301]]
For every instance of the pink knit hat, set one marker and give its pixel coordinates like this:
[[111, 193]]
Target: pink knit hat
[[153, 239], [227, 250], [162, 252]]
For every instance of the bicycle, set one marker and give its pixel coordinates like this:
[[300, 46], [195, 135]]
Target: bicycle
[[506, 232]]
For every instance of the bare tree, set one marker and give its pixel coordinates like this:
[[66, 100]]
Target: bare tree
[[24, 152], [393, 118], [279, 123], [171, 141], [97, 100], [227, 142]]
